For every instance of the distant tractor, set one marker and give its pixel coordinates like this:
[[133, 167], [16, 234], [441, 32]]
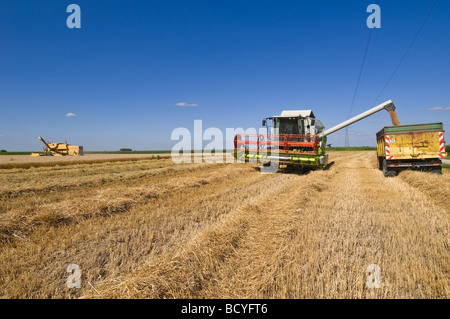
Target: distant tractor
[[59, 149], [296, 138]]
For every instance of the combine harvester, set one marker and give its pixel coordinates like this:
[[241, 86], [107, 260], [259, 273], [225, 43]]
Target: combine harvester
[[296, 138], [59, 149]]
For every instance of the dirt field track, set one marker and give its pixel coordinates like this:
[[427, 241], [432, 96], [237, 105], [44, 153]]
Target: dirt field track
[[150, 228]]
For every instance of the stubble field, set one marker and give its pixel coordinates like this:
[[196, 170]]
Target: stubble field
[[150, 228]]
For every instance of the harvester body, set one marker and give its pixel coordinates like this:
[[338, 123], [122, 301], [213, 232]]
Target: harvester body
[[292, 139], [59, 149], [296, 138]]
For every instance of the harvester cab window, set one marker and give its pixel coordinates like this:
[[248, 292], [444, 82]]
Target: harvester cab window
[[287, 126]]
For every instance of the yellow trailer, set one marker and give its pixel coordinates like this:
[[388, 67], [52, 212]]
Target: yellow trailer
[[417, 146]]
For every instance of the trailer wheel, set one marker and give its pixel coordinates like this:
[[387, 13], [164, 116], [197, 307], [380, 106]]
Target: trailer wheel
[[437, 170], [388, 172], [380, 163]]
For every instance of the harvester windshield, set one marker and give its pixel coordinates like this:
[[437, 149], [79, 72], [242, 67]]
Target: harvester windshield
[[288, 126]]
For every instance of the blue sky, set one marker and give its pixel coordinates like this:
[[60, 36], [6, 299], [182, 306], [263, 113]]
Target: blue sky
[[131, 62]]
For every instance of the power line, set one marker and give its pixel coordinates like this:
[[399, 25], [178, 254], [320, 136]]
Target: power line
[[370, 59], [360, 72], [406, 52], [357, 87], [358, 82]]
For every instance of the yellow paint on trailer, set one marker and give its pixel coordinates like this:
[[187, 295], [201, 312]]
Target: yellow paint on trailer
[[415, 145], [419, 141], [381, 147]]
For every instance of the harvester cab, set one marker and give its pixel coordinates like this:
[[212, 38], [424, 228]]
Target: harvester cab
[[296, 138], [295, 122], [300, 125]]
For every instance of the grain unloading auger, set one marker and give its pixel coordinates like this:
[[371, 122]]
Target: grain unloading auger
[[296, 138]]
